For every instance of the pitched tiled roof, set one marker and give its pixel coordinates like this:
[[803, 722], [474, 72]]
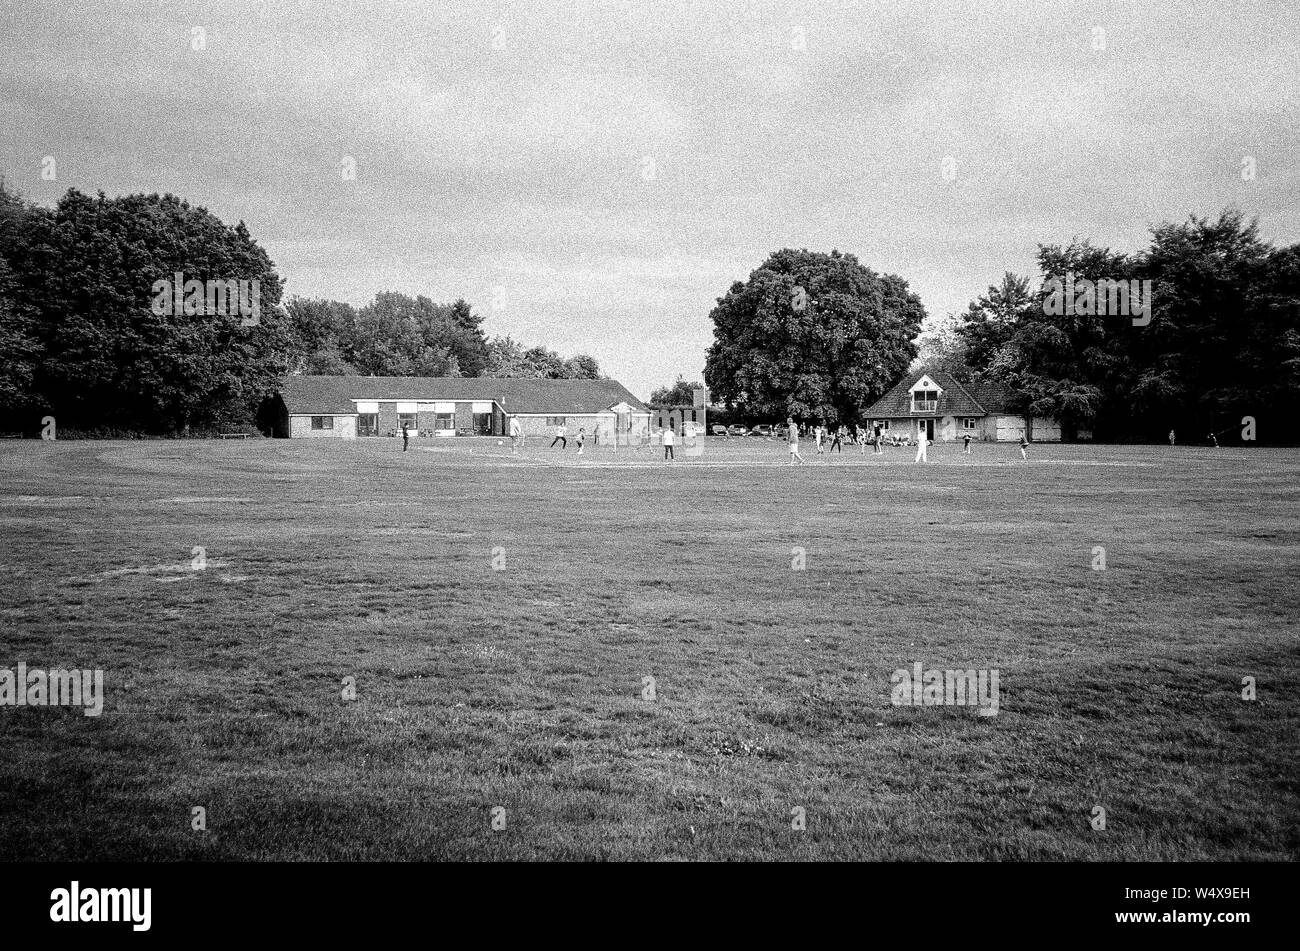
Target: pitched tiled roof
[[321, 395], [994, 397], [976, 399]]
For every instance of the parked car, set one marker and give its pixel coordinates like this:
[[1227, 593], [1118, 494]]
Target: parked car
[[719, 430], [763, 429], [737, 431]]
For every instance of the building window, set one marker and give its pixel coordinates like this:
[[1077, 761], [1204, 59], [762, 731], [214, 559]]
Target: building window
[[367, 424], [410, 420], [884, 426], [322, 422], [968, 422], [555, 421], [925, 401], [444, 421]]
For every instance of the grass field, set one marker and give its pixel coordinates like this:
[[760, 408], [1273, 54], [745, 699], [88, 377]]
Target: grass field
[[522, 688]]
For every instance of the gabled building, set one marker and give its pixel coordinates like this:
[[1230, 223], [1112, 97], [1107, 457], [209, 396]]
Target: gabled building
[[933, 402], [350, 407]]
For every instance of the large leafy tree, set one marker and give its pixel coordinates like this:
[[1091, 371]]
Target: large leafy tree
[[397, 335], [317, 329], [1067, 366], [813, 335], [990, 321], [1223, 342], [83, 280], [393, 335]]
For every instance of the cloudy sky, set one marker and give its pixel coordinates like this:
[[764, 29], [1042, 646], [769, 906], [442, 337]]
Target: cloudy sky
[[593, 175]]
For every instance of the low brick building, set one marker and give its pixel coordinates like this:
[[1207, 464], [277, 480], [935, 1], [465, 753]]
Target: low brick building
[[934, 402], [351, 407]]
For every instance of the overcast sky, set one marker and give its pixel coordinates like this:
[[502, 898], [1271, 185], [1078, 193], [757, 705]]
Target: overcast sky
[[592, 176]]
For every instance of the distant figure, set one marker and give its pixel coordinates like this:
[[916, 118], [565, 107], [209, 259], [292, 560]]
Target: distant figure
[[561, 436], [880, 441], [516, 435], [1171, 437], [966, 439], [406, 436], [817, 435], [838, 441], [582, 435], [669, 438], [1214, 440], [793, 432], [860, 435], [922, 443], [1024, 447]]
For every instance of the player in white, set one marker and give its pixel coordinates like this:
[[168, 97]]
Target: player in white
[[793, 436], [669, 438], [818, 434], [921, 443], [516, 435]]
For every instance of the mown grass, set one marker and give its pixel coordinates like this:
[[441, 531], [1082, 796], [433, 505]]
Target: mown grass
[[522, 688]]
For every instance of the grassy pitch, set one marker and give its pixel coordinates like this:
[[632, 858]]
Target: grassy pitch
[[499, 617]]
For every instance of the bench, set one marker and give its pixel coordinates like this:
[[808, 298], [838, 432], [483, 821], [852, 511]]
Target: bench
[[233, 435]]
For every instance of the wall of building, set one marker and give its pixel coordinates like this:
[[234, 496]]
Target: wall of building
[[1008, 428], [345, 427], [464, 417], [538, 425], [1045, 430]]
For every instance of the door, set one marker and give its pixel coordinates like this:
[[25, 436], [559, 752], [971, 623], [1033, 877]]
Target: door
[[925, 429]]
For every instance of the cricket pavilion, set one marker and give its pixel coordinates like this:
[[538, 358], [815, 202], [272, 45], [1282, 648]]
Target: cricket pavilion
[[352, 407], [933, 402]]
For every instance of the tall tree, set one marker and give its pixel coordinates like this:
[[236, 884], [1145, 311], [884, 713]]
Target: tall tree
[[943, 348], [814, 335], [398, 335], [991, 319], [85, 276], [317, 329]]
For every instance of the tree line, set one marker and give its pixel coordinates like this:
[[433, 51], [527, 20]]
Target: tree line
[[1213, 348], [144, 314], [1198, 333]]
